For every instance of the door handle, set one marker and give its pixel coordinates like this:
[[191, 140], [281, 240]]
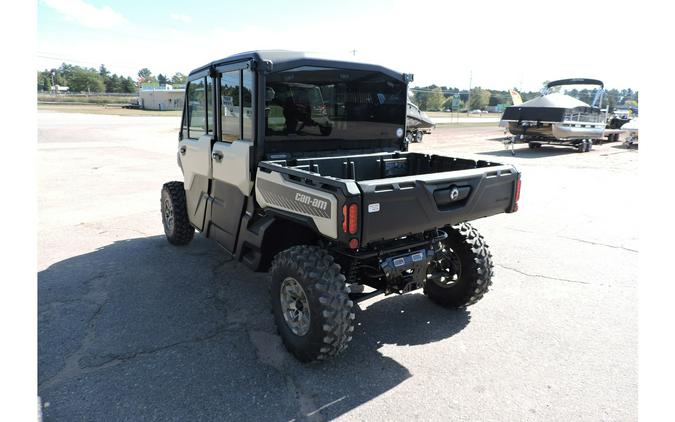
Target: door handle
[[217, 156], [182, 150]]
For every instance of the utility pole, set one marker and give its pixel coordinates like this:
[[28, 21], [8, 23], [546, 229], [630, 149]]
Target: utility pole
[[53, 72], [354, 52], [468, 102]]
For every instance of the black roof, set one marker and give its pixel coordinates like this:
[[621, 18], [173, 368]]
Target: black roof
[[575, 81], [284, 60]]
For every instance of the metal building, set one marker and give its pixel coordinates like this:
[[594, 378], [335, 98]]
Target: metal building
[[161, 98]]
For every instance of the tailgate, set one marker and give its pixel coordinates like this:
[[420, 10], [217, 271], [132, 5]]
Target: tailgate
[[401, 206]]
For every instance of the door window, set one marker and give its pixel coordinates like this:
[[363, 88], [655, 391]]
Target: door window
[[196, 108], [230, 106]]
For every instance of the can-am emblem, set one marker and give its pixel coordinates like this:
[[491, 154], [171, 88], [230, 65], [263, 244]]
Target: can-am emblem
[[454, 193]]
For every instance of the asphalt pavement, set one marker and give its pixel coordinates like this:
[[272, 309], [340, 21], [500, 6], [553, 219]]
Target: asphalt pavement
[[132, 328]]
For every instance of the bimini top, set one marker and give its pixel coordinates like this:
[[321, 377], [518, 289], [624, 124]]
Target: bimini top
[[575, 81], [547, 108], [554, 100], [280, 60]]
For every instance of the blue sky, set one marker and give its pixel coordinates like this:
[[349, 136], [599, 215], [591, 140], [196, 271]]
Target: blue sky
[[501, 44]]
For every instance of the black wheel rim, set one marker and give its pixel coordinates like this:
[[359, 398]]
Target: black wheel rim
[[446, 268]]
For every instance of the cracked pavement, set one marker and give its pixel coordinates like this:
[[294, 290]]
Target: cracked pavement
[[132, 328]]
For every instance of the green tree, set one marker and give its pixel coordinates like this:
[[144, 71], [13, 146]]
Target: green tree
[[435, 99], [499, 97], [479, 98], [420, 97], [144, 73], [65, 71], [85, 80], [178, 79], [112, 84], [44, 80], [127, 85], [103, 71], [147, 75], [162, 80]]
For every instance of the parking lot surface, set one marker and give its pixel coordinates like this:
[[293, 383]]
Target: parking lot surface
[[132, 328]]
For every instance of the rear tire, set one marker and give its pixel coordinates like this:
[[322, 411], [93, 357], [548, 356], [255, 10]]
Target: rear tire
[[310, 303], [418, 136], [467, 263], [177, 227], [325, 130]]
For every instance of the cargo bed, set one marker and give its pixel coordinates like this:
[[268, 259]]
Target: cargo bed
[[406, 193]]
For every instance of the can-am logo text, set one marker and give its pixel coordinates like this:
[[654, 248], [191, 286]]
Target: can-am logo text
[[314, 202]]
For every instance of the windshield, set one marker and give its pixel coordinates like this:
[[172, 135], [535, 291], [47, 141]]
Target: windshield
[[333, 104]]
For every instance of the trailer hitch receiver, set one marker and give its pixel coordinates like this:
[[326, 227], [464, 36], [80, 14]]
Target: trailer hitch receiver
[[407, 272]]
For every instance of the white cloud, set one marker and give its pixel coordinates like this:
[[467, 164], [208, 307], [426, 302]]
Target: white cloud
[[181, 18], [86, 14]]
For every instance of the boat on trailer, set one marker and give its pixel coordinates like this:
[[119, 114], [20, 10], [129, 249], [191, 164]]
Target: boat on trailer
[[417, 123], [558, 117]]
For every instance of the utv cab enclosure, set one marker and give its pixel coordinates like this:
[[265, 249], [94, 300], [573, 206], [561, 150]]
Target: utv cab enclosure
[[299, 166]]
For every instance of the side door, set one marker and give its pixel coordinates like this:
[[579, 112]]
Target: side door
[[231, 155], [194, 149]]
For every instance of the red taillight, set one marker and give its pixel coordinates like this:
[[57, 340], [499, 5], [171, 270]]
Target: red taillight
[[518, 190], [354, 244], [350, 218], [515, 202], [353, 218]]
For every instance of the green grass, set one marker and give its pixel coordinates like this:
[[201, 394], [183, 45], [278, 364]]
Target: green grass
[[89, 99], [101, 109]]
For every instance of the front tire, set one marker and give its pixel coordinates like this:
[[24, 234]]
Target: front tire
[[177, 227], [461, 272], [310, 303]]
